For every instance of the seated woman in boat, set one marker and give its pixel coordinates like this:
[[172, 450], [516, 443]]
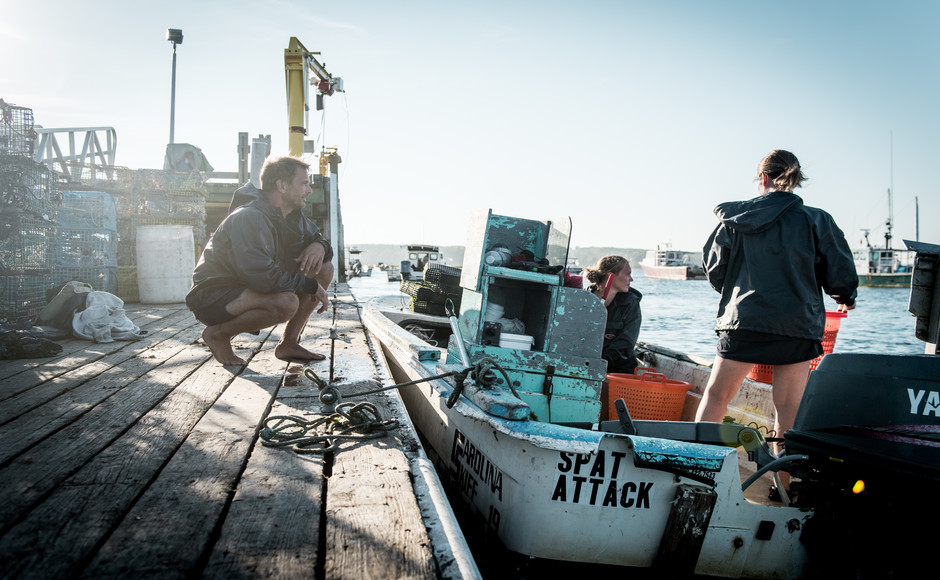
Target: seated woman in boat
[[771, 257], [610, 281]]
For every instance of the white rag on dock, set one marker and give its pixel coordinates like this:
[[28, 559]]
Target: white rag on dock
[[104, 320]]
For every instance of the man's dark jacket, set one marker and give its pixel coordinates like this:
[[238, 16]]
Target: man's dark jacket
[[254, 247]]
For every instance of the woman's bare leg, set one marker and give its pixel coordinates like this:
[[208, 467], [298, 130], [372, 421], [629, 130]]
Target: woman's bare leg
[[789, 384], [723, 383]]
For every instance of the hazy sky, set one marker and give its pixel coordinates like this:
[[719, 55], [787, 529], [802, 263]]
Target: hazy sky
[[634, 118]]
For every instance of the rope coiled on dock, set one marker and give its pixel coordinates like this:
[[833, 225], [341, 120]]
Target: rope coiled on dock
[[358, 421], [349, 422]]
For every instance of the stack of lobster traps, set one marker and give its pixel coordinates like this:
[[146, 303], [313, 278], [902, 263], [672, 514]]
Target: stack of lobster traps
[[149, 197], [29, 201], [87, 249], [441, 283]]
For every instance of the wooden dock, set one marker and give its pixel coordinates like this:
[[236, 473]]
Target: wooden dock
[[144, 459]]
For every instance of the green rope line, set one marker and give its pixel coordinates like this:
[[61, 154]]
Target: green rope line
[[482, 373], [349, 422]]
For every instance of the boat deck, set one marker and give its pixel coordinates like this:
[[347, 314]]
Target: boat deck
[[144, 459]]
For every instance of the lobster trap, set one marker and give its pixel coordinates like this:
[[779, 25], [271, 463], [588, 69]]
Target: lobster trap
[[22, 297], [17, 133], [85, 247], [27, 243], [88, 209], [27, 186]]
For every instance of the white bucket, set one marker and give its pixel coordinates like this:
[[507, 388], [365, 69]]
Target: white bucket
[[516, 341], [166, 258]]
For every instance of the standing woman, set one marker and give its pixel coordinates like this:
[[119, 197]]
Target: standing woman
[[623, 311], [771, 258]]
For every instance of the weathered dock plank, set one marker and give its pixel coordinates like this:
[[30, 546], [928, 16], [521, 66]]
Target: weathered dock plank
[[83, 509], [42, 415], [76, 351], [272, 529], [196, 484], [142, 459], [35, 388], [374, 527], [25, 480], [38, 371]]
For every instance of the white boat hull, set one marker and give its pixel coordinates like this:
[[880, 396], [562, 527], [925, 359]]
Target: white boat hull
[[669, 272], [562, 493]]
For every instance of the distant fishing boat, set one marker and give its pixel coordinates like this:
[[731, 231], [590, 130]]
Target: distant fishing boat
[[356, 267], [884, 266], [665, 263], [419, 256]]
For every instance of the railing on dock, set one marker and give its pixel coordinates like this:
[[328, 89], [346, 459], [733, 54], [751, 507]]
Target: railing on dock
[[91, 154]]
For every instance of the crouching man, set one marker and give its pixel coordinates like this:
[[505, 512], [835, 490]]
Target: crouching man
[[266, 264]]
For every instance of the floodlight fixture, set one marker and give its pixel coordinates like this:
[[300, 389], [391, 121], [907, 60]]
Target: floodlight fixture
[[174, 35]]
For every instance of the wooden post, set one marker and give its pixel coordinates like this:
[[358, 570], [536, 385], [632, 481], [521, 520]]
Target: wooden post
[[685, 529]]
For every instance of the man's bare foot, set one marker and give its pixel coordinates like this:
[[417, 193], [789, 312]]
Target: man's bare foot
[[295, 352], [221, 347]]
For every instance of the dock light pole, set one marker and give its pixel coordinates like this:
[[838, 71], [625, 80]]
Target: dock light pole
[[175, 36]]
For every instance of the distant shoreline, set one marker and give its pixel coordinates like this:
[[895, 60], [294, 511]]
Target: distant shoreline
[[586, 256]]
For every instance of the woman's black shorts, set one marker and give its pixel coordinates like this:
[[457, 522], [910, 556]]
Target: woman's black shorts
[[766, 349]]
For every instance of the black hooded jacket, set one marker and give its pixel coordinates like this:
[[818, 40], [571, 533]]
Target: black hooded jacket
[[770, 257], [254, 247]]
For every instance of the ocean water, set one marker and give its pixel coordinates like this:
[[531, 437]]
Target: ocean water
[[680, 314]]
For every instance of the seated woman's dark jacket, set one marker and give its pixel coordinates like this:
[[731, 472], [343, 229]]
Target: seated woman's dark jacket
[[622, 331]]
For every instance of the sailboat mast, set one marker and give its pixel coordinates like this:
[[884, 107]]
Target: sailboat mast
[[890, 220], [890, 200]]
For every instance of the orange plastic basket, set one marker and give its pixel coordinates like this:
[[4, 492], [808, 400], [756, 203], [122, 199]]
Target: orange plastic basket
[[649, 395], [765, 373]]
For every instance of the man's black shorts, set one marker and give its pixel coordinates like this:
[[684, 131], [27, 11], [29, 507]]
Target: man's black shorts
[[208, 305]]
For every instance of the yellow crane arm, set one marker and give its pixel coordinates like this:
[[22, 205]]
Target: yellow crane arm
[[298, 64]]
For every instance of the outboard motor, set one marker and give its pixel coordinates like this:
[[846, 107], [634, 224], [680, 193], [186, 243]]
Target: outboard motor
[[869, 427]]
